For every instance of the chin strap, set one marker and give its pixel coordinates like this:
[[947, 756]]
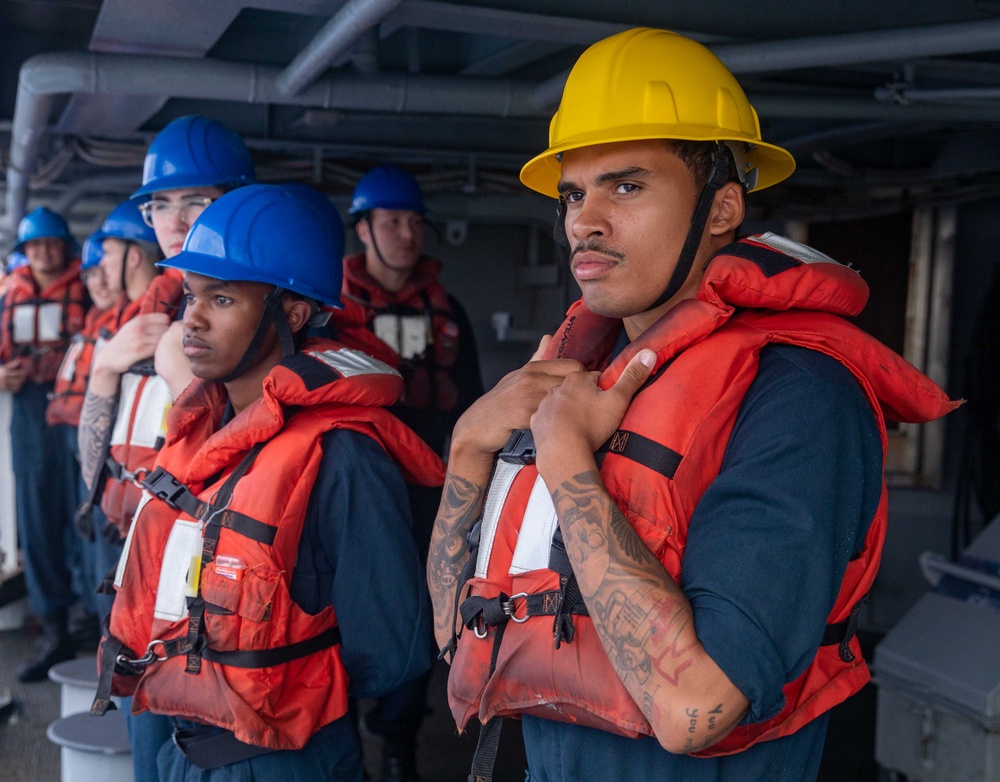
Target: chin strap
[[274, 312], [378, 252], [718, 177]]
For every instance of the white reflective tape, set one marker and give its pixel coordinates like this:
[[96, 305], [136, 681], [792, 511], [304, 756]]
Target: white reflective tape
[[126, 550], [129, 389], [790, 247], [496, 496], [350, 362], [537, 529], [50, 322], [23, 319], [67, 369], [183, 546], [150, 398], [405, 334]]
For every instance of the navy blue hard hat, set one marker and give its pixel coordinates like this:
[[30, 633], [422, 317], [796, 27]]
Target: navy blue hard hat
[[42, 223], [195, 151], [125, 222], [266, 233], [387, 187]]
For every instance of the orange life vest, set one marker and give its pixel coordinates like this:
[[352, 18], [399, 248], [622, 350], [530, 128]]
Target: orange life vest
[[669, 448], [240, 653], [38, 325], [140, 422], [66, 399], [417, 323]]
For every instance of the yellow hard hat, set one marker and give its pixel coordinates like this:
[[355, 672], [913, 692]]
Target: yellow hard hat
[[648, 84]]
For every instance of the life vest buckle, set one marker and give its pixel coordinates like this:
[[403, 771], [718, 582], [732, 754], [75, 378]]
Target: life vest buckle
[[164, 486], [148, 658], [509, 608]]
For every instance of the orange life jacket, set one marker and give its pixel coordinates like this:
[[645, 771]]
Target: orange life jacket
[[66, 399], [38, 325], [669, 448], [417, 323], [240, 653], [143, 402]]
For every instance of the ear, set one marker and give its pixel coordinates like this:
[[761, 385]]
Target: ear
[[134, 257], [728, 210], [298, 313]]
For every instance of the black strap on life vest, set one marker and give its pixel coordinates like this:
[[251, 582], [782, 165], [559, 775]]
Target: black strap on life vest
[[641, 450], [164, 486], [209, 747], [841, 633], [196, 641]]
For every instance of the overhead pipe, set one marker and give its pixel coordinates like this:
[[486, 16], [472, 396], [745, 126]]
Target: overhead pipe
[[45, 76], [904, 95], [903, 43], [332, 42]]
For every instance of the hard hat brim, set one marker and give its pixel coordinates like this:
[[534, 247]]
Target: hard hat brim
[[221, 269], [543, 172]]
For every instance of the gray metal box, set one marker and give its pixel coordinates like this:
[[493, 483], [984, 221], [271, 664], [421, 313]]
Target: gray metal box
[[938, 674]]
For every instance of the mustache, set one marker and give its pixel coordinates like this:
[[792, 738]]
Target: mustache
[[596, 246]]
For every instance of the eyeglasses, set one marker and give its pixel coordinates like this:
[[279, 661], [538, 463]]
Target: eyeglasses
[[154, 212]]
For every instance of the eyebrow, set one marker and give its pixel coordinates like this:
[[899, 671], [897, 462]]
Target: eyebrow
[[210, 287], [629, 172]]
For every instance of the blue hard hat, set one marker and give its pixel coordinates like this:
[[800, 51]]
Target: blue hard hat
[[312, 196], [195, 151], [266, 233], [15, 261], [125, 222], [92, 250], [387, 187], [42, 223]]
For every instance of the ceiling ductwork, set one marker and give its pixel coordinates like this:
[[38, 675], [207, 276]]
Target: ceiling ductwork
[[501, 40]]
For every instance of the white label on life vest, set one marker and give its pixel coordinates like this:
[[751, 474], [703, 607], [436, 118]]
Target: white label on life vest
[[23, 318], [405, 334], [496, 496], [123, 559], [183, 547], [537, 529], [49, 322]]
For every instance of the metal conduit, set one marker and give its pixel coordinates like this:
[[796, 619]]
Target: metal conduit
[[45, 76], [904, 43], [332, 42]]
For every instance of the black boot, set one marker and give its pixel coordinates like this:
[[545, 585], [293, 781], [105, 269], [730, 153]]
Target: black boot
[[53, 647], [399, 760], [84, 628]]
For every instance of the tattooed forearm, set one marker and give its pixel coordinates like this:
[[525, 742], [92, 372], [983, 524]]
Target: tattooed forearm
[[642, 617], [96, 420], [461, 503]]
